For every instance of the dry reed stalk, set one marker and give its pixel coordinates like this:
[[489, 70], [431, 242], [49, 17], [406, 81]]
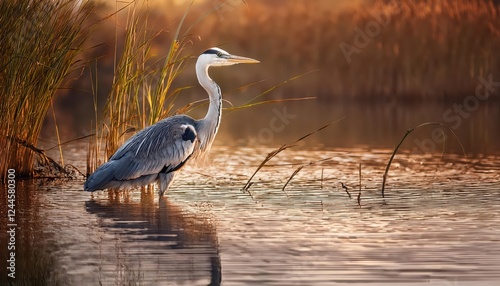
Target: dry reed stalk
[[322, 170], [300, 168], [359, 194], [282, 148], [346, 189], [404, 137]]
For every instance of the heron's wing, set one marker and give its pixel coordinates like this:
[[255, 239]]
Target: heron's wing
[[162, 147]]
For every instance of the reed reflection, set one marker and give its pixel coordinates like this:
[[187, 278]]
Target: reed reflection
[[156, 241], [34, 246]]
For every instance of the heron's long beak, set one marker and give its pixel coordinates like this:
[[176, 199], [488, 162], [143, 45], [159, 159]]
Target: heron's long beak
[[241, 60]]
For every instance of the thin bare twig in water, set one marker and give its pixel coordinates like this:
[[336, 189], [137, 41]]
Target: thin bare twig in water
[[268, 157], [41, 153], [322, 170], [298, 170], [359, 194], [248, 191], [401, 142], [345, 189], [76, 169], [282, 148], [289, 179]]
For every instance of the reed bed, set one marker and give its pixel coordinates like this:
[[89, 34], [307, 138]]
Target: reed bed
[[40, 43], [414, 50]]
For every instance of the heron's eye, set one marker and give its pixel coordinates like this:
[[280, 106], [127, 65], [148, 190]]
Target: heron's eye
[[219, 54]]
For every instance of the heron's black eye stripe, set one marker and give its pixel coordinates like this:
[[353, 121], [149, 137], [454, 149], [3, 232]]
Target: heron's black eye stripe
[[212, 51], [215, 52]]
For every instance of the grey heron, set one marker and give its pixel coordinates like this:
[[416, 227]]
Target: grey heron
[[155, 153]]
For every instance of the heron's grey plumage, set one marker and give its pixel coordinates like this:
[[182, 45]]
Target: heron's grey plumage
[[155, 153], [157, 149]]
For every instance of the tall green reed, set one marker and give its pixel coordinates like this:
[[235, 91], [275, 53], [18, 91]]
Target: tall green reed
[[40, 44]]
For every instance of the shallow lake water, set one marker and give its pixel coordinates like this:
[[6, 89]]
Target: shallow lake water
[[439, 223]]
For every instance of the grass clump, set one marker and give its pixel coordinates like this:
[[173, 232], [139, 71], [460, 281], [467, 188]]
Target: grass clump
[[40, 44]]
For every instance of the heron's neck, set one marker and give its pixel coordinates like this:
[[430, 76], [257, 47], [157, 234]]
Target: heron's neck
[[210, 123]]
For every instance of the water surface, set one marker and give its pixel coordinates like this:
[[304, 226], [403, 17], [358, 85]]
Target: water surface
[[439, 223]]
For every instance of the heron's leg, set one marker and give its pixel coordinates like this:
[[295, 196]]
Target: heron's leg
[[164, 182]]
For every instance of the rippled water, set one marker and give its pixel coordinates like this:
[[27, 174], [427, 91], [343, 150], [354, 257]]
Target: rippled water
[[439, 224]]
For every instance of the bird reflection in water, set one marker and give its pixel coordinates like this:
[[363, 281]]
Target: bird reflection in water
[[156, 241]]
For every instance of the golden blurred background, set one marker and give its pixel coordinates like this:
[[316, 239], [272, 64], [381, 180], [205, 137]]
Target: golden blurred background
[[385, 65]]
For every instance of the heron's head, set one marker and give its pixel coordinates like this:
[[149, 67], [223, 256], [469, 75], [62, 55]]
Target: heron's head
[[216, 57]]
